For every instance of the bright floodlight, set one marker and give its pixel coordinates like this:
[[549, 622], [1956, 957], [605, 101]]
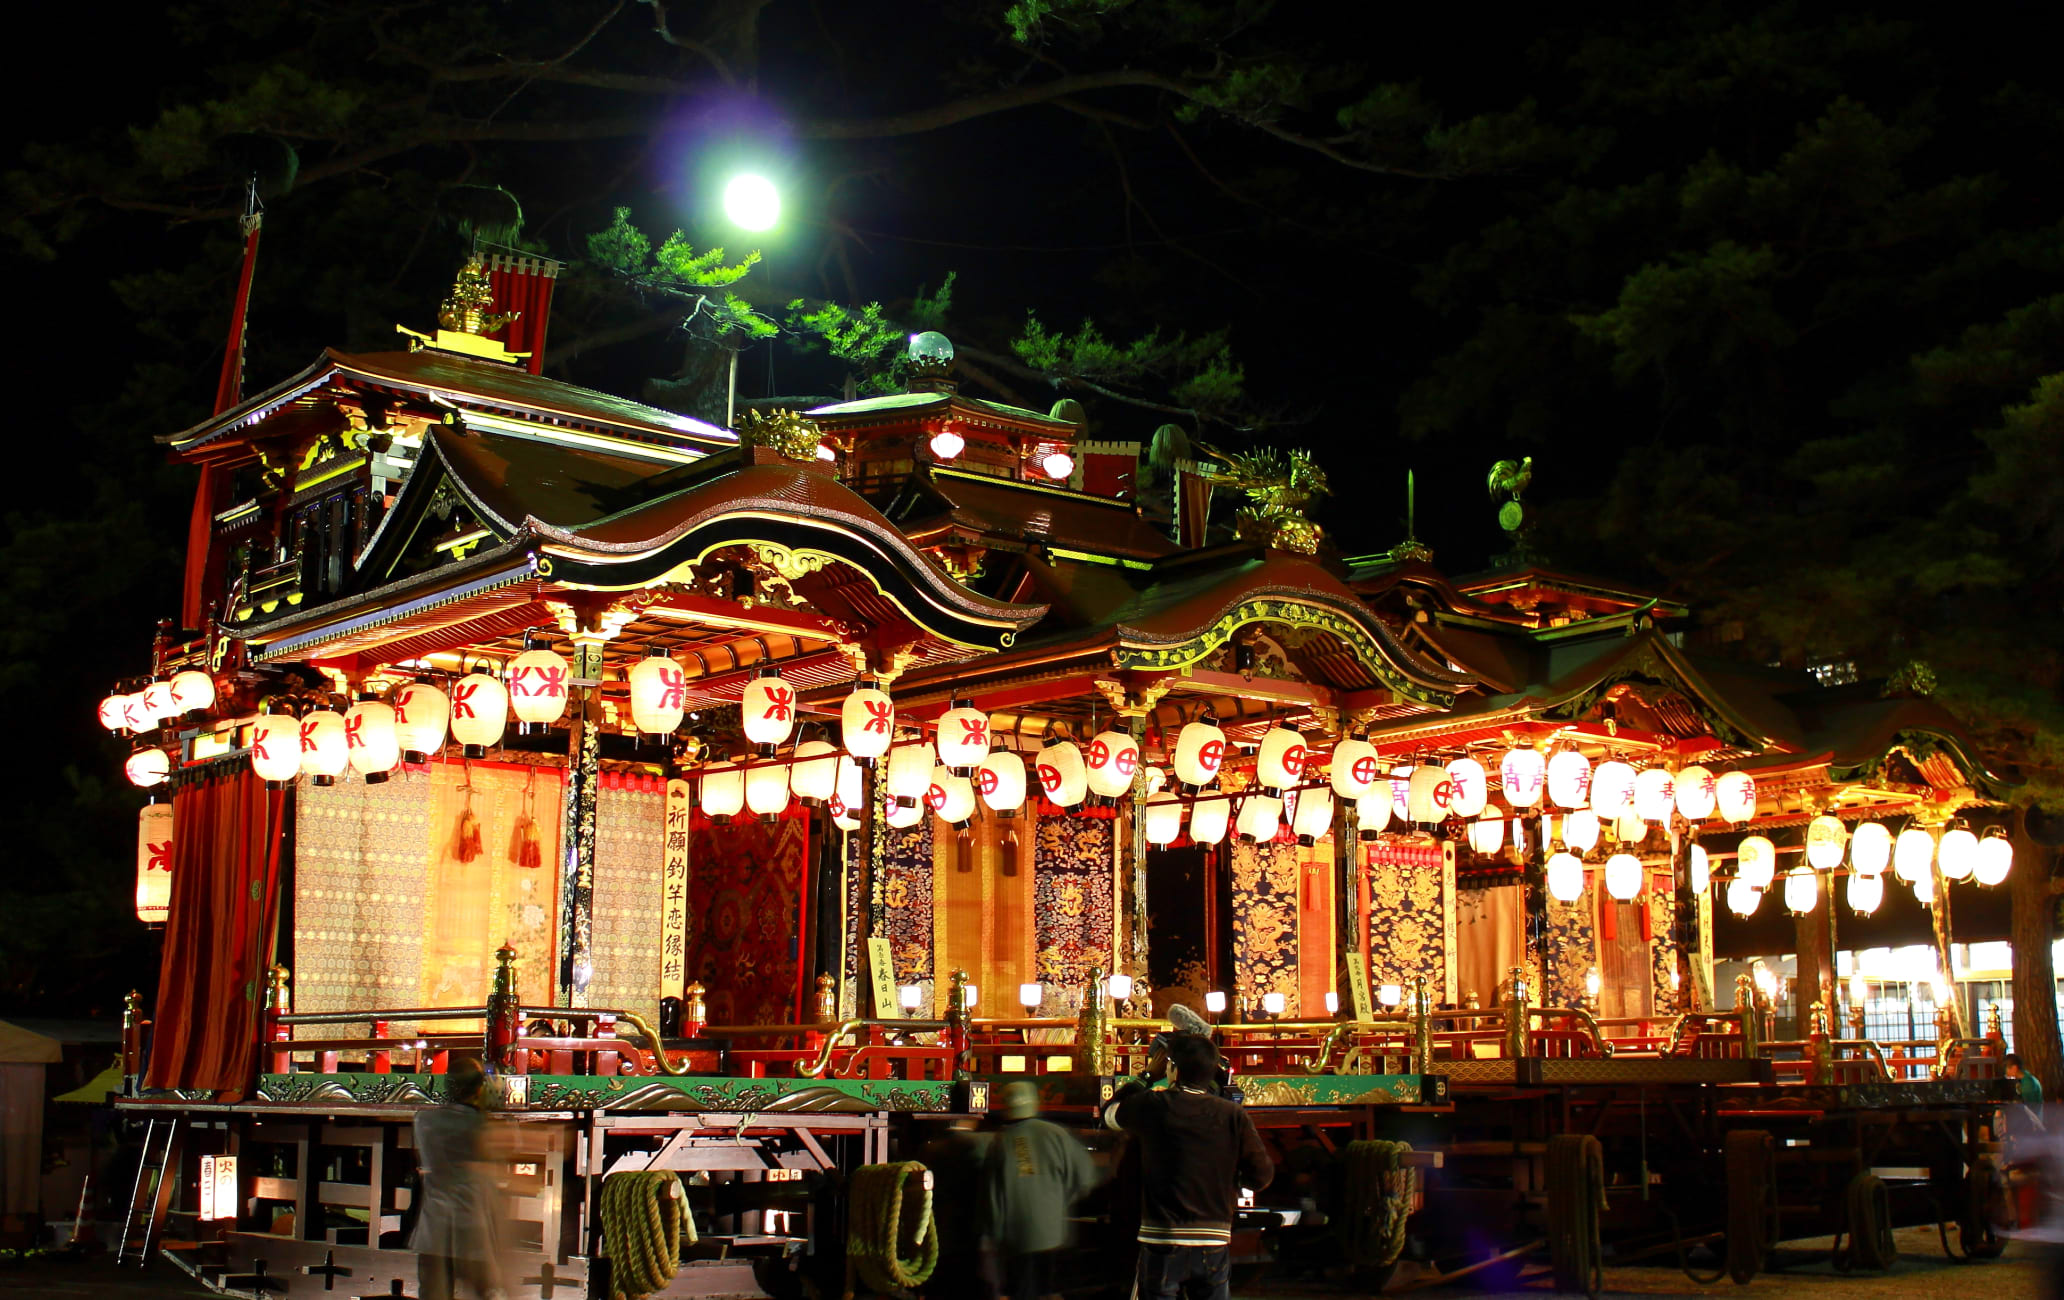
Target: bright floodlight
[[752, 202]]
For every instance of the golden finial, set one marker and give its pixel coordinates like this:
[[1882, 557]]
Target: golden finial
[[782, 431], [465, 308]]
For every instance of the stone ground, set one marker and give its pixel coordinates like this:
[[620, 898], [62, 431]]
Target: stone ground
[[1923, 1273]]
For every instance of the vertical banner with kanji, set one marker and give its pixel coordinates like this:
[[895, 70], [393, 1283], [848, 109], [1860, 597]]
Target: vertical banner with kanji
[[673, 886], [154, 863]]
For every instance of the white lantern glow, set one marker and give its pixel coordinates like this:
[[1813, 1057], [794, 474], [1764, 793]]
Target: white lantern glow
[[1569, 779], [1697, 793], [1580, 831], [909, 775], [1958, 853], [1699, 868], [659, 694], [1001, 781], [946, 444], [1755, 861], [1164, 819], [1372, 811], [1912, 853], [114, 713], [1063, 776], [767, 710], [1401, 794], [480, 713], [421, 715], [1825, 840], [1280, 761], [1523, 774], [847, 794], [1313, 819], [1355, 768], [1734, 796], [722, 794], [275, 748], [1655, 794], [1623, 876], [1870, 848], [867, 721], [1995, 858], [369, 740], [1429, 795], [903, 819], [1112, 760], [154, 863], [1865, 893], [1565, 878], [1487, 834], [1209, 819], [1030, 996], [815, 774], [1612, 790], [1742, 897], [1924, 889], [963, 740], [147, 767], [1119, 987], [158, 702], [192, 690], [1157, 779], [1199, 752], [323, 748], [1214, 1002], [951, 797], [1801, 890], [1469, 787], [766, 790], [1260, 818], [135, 716], [1273, 1003], [538, 681], [1630, 828]]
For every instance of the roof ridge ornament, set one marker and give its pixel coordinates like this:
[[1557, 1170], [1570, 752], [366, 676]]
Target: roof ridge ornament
[[783, 431], [1282, 488], [464, 321]]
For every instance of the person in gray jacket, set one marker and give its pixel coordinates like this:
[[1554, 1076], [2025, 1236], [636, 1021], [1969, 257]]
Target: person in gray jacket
[[456, 1237], [1036, 1172]]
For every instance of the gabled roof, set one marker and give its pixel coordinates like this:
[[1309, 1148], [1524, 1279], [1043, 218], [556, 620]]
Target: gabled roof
[[1029, 512], [913, 407]]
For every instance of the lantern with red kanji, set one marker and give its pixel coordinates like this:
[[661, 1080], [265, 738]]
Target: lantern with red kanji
[[1199, 752], [1355, 768], [1280, 762], [324, 750], [1000, 780], [1063, 776], [867, 721], [1112, 760], [422, 714], [963, 737], [369, 740], [538, 680], [479, 713], [767, 710], [154, 863], [276, 749], [659, 693]]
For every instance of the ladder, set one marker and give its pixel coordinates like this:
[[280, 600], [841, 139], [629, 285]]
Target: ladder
[[157, 1173]]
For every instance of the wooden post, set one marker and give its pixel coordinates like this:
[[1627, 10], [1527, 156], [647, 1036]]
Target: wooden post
[[2037, 1040]]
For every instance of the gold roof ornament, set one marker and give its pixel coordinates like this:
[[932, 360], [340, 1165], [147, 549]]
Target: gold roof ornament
[[782, 431], [1282, 488], [464, 321]]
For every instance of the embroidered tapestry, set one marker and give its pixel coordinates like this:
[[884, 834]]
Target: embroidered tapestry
[[480, 895], [745, 898], [630, 850], [1072, 900], [907, 907], [983, 907], [360, 858], [1571, 951], [1409, 930], [1266, 881], [1662, 950]]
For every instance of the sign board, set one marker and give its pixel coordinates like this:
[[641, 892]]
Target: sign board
[[881, 968], [673, 890], [1358, 987]]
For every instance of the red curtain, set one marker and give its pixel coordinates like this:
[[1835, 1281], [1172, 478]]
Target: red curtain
[[746, 916], [219, 937]]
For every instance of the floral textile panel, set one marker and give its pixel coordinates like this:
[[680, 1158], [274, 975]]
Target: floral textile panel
[[1073, 903], [906, 895], [1662, 948], [1266, 879], [745, 898], [1410, 930], [630, 839], [1569, 951]]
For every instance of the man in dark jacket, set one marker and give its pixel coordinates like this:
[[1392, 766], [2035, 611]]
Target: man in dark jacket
[[1036, 1172], [1197, 1151]]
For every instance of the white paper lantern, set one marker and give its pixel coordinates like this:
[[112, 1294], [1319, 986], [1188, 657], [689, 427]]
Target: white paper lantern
[[114, 713], [659, 694], [158, 702], [867, 721], [1565, 878], [814, 777], [1801, 890], [1112, 760], [1164, 819], [1260, 818], [148, 767], [1912, 853], [1742, 897], [1700, 869], [370, 740], [1630, 828], [766, 790], [1199, 752], [192, 690], [1958, 853], [1924, 889], [421, 715], [963, 740], [1825, 840], [1063, 776], [1313, 819], [1734, 796], [1612, 790], [909, 775], [1469, 787], [1523, 775], [1001, 781], [1372, 811], [903, 819], [537, 687], [1756, 861], [1865, 893], [1995, 858], [275, 748], [1429, 795], [951, 797], [1157, 779], [1280, 761], [722, 793], [847, 794], [1655, 794], [1580, 831], [1401, 794], [1355, 768], [1487, 834], [767, 709], [154, 863], [1870, 848], [1697, 793], [135, 716], [1623, 876], [1569, 779], [479, 713], [1209, 819], [323, 748]]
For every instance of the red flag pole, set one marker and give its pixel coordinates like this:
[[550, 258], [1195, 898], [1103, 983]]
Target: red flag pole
[[229, 390]]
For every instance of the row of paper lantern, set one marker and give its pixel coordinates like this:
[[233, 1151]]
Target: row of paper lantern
[[158, 703]]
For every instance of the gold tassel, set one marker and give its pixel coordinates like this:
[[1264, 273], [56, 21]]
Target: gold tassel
[[466, 843], [524, 849]]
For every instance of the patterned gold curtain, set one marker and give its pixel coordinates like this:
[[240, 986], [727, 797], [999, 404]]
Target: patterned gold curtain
[[982, 910], [471, 907]]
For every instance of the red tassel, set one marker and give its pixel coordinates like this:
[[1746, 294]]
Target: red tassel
[[524, 849], [466, 843], [1010, 847]]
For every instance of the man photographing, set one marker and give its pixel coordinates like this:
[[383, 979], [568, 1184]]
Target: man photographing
[[1197, 1150]]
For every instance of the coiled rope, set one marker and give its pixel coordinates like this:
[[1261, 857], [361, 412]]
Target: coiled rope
[[1576, 1204], [890, 1244], [1751, 1212], [1380, 1191], [1869, 1206], [644, 1219]]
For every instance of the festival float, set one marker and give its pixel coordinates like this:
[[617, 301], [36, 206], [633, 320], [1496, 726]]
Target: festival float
[[753, 803]]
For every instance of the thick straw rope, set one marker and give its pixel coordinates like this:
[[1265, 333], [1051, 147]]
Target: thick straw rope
[[1576, 1202], [878, 1221], [644, 1219], [1380, 1189]]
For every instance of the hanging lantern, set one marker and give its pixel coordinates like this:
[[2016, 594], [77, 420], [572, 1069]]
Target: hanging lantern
[[1355, 768], [1801, 890], [158, 702], [1911, 854], [903, 819], [421, 714], [1580, 831], [950, 797], [192, 690], [1313, 819], [1487, 835], [867, 722], [1260, 816], [1701, 870], [1208, 820], [114, 713], [1825, 839], [1280, 761], [1372, 813], [1756, 861], [659, 694], [538, 682], [963, 737], [135, 716], [1523, 774], [1958, 852], [1164, 819], [324, 750], [1655, 794], [1468, 787], [946, 444], [1612, 790], [1623, 876], [1870, 848], [1565, 878], [154, 863], [1924, 889], [909, 776], [479, 713], [275, 749], [847, 795], [1401, 794], [1569, 779], [767, 708], [1057, 465], [722, 793], [1865, 893], [1063, 776], [1734, 795], [1994, 858], [369, 740], [1742, 897], [1199, 751], [1113, 760], [1001, 781], [1429, 793], [148, 767], [1697, 793], [1157, 779], [766, 790], [815, 774]]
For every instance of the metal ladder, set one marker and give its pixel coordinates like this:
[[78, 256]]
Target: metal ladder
[[157, 1173]]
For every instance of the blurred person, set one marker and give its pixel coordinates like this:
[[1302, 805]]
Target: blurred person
[[1197, 1150], [1036, 1171], [2030, 1086], [456, 1228], [955, 1155]]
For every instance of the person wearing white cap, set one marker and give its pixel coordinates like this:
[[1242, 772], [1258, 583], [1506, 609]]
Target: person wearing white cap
[[1036, 1172]]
